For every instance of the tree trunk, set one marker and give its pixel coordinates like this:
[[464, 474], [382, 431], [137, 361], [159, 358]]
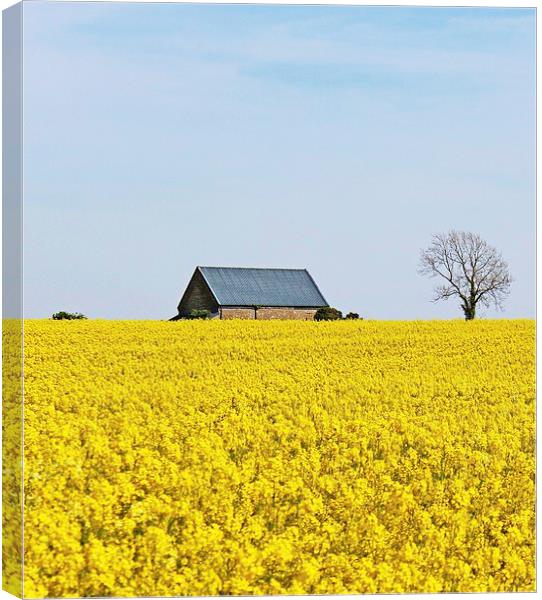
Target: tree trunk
[[470, 311]]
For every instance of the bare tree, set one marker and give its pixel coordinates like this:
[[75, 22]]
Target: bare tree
[[473, 271]]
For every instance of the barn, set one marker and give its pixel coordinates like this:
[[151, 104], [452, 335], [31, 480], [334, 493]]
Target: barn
[[247, 293]]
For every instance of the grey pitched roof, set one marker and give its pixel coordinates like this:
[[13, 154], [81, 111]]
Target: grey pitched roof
[[233, 286]]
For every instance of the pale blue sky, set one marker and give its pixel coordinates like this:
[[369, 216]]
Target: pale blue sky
[[163, 136]]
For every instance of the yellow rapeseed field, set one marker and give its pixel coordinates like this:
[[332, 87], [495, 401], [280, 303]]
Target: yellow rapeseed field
[[201, 458]]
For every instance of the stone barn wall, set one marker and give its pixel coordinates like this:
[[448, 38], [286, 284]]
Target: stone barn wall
[[299, 314], [268, 313], [236, 313]]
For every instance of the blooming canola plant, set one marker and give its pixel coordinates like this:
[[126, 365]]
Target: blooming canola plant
[[235, 457]]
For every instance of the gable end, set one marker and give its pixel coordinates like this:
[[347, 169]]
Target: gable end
[[197, 296]]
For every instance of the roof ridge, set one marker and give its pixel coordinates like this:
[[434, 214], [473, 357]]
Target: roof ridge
[[255, 268]]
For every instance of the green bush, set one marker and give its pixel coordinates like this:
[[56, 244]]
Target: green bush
[[66, 315], [352, 315], [198, 314], [328, 313]]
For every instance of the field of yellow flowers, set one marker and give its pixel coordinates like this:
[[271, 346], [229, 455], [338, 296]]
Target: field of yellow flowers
[[235, 457]]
